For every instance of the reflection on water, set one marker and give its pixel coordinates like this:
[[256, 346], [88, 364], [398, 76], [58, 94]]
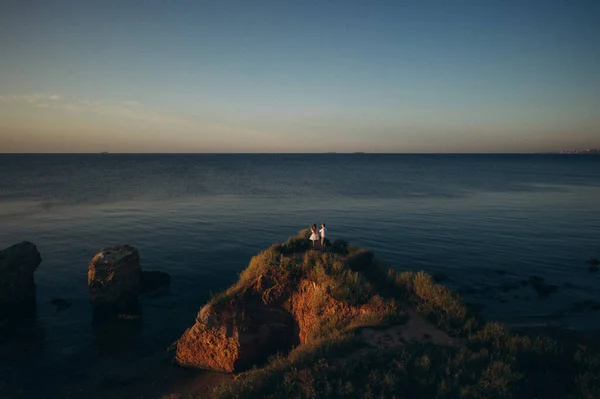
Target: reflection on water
[[21, 339], [117, 333]]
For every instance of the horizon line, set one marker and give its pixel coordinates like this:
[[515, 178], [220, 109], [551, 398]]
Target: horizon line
[[558, 152]]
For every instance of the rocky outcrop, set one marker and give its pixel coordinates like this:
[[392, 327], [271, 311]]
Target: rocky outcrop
[[235, 335], [114, 279], [245, 330], [17, 288], [285, 298]]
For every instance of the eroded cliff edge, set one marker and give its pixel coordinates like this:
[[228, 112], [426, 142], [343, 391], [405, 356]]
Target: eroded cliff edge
[[291, 296], [343, 324]]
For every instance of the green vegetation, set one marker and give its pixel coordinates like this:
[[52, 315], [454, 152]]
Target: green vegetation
[[344, 274], [490, 361]]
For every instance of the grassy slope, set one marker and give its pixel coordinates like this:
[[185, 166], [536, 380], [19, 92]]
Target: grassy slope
[[493, 363]]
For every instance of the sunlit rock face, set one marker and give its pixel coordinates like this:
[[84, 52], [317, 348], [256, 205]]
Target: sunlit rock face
[[235, 335]]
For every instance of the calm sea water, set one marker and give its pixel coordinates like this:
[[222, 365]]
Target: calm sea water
[[201, 217]]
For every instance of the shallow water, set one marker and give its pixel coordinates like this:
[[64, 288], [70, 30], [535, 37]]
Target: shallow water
[[201, 217]]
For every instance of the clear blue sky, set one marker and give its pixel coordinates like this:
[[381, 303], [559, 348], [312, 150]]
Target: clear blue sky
[[299, 76]]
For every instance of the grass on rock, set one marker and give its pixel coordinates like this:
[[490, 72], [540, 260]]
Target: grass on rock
[[492, 363]]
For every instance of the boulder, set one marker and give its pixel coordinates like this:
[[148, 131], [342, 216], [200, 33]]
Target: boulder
[[17, 289], [114, 279], [235, 335]]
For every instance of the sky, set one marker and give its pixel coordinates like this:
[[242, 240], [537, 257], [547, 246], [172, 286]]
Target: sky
[[299, 76]]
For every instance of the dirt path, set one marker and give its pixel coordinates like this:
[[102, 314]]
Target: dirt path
[[415, 329]]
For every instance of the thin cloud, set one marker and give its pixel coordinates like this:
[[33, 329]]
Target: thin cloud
[[127, 109], [29, 98], [145, 117]]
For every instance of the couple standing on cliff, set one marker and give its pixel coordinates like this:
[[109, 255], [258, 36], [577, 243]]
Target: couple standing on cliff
[[318, 236]]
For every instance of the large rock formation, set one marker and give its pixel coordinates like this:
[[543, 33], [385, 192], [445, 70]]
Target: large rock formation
[[270, 310], [114, 278], [17, 289]]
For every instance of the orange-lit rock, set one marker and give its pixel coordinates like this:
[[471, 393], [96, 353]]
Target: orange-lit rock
[[114, 278]]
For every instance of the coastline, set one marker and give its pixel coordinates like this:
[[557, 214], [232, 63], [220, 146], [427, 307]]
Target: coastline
[[135, 372]]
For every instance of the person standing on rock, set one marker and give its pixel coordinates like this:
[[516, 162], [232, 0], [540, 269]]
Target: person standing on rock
[[314, 237], [323, 233]]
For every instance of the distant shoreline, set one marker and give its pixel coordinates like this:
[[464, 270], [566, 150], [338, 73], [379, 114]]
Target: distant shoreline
[[587, 151], [433, 154]]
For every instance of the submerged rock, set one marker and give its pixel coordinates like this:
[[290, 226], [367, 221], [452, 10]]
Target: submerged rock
[[154, 283], [114, 279], [592, 262], [17, 287], [60, 303], [508, 286], [587, 305], [540, 286]]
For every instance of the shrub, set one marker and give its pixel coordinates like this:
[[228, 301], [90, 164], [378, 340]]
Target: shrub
[[340, 246], [299, 243], [493, 362], [441, 305], [361, 259]]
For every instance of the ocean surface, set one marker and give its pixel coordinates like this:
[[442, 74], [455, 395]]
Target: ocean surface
[[486, 221]]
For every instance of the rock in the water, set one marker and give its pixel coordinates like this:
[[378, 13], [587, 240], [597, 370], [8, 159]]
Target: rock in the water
[[507, 286], [60, 303], [17, 289], [592, 262], [114, 278], [154, 283], [235, 335], [586, 305], [541, 287]]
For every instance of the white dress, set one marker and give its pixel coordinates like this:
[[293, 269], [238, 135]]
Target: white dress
[[314, 237]]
